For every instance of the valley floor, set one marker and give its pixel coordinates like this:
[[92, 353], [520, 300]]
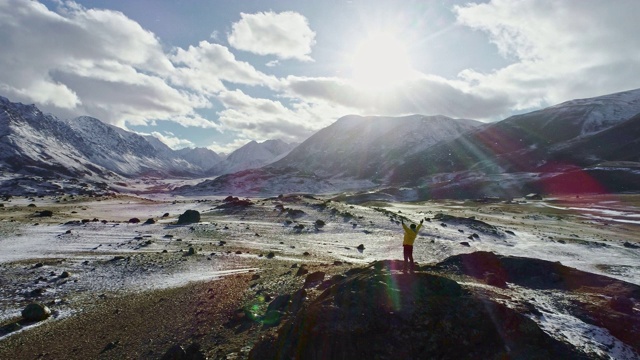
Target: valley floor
[[122, 289]]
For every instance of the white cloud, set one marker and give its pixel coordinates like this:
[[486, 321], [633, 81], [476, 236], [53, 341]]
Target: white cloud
[[273, 63], [286, 35], [562, 49], [172, 141], [423, 94], [207, 65], [263, 119], [87, 62], [230, 147]]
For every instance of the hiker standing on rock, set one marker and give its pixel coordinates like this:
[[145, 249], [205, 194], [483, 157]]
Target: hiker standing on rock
[[410, 234]]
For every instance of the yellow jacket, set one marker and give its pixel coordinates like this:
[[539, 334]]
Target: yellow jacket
[[410, 235]]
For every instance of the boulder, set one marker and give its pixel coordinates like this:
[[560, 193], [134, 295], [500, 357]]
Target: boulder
[[36, 312], [314, 279], [189, 217]]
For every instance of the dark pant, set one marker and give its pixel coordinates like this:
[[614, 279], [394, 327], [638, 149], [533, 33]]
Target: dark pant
[[408, 256]]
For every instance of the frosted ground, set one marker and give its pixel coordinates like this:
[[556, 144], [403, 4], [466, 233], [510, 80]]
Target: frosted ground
[[107, 256]]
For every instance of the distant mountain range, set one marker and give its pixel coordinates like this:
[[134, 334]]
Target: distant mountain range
[[40, 148], [585, 145]]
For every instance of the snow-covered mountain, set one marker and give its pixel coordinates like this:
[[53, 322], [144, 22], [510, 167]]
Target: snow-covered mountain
[[40, 148], [34, 143], [253, 155], [585, 145], [354, 152], [367, 147], [125, 153], [522, 143], [202, 157]]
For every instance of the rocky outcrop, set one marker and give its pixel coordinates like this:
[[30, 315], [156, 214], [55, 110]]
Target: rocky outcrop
[[379, 313]]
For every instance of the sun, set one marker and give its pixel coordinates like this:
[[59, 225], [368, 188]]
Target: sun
[[380, 61]]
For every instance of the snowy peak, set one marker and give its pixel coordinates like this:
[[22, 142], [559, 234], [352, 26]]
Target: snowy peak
[[35, 143], [253, 155], [202, 157], [362, 146]]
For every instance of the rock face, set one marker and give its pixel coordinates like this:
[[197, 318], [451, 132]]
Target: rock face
[[378, 314], [35, 312]]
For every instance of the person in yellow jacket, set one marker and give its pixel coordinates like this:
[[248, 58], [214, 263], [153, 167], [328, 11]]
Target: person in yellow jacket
[[410, 234]]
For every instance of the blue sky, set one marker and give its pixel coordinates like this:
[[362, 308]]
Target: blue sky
[[218, 74]]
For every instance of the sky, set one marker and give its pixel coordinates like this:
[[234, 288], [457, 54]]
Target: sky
[[218, 74]]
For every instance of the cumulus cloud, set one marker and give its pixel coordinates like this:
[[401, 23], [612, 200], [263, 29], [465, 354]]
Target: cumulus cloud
[[81, 61], [423, 94], [207, 65], [258, 118], [561, 49], [172, 141], [228, 148], [286, 35]]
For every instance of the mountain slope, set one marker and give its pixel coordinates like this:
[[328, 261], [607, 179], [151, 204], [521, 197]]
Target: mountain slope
[[521, 143], [251, 156], [365, 147], [352, 153], [202, 157], [124, 152], [33, 143]]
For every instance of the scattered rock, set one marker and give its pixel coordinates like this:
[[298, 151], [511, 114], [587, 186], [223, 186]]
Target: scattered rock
[[36, 312], [271, 255], [360, 247], [37, 292], [45, 213], [165, 215], [134, 221], [302, 270], [630, 245], [189, 217], [314, 279], [295, 213], [65, 274], [150, 221], [280, 303], [465, 243]]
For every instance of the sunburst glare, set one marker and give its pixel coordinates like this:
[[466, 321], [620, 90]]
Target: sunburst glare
[[381, 60]]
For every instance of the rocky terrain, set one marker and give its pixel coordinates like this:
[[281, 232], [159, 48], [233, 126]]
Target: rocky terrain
[[300, 276]]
